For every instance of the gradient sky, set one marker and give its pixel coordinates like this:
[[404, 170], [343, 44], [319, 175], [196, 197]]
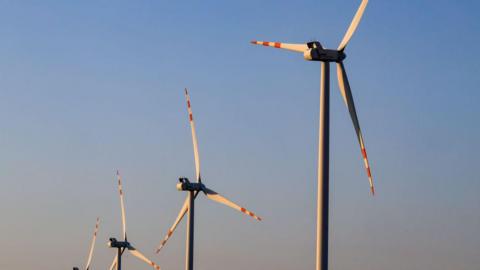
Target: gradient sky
[[87, 87]]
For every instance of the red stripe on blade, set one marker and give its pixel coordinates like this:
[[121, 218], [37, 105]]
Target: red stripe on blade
[[364, 153], [369, 173]]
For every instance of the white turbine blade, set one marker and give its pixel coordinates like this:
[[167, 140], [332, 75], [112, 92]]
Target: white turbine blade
[[212, 195], [194, 137], [114, 263], [142, 257], [287, 46], [353, 25], [348, 98], [92, 246], [122, 206], [181, 214]]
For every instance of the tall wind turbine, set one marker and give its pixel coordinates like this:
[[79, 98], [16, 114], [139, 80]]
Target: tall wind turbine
[[193, 190], [121, 246], [92, 246], [314, 51]]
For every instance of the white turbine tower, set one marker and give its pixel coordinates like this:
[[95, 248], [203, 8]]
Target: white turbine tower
[[193, 190], [314, 51], [121, 246], [92, 246]]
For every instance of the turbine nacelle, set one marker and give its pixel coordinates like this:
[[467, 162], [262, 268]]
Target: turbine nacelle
[[316, 52], [114, 243], [185, 185]]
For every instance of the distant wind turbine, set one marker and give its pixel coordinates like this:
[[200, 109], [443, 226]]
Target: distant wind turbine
[[121, 246], [92, 246], [193, 190], [314, 51]]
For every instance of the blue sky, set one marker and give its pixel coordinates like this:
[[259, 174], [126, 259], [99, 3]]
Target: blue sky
[[88, 87]]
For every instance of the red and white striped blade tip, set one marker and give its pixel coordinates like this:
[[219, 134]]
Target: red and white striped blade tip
[[164, 241], [266, 43], [180, 216], [372, 190], [212, 195], [249, 213], [302, 48]]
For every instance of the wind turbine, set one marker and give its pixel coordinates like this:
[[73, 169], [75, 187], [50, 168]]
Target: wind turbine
[[314, 51], [121, 246], [92, 246], [193, 190]]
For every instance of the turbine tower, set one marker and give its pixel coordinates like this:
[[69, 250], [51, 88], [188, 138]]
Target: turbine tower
[[92, 246], [193, 190], [314, 51], [121, 246]]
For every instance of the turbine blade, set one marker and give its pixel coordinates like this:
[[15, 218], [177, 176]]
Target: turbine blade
[[142, 257], [181, 214], [353, 25], [92, 246], [348, 99], [194, 137], [114, 263], [214, 196], [287, 46], [122, 206]]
